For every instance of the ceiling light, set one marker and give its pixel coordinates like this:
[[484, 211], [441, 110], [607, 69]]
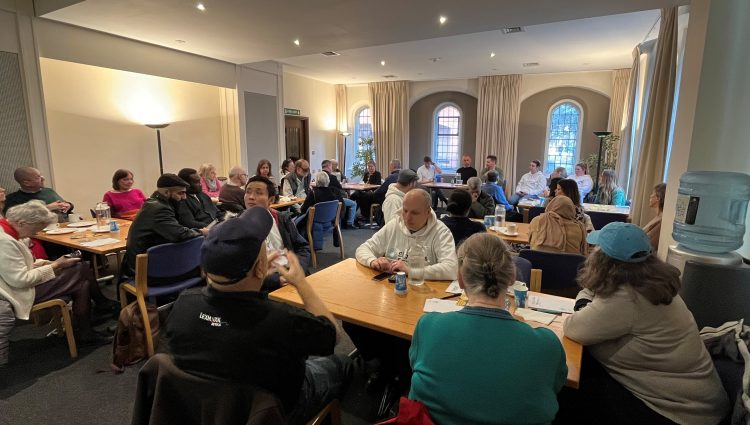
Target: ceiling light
[[382, 63], [442, 20], [492, 55], [530, 64], [433, 60], [330, 53], [296, 41], [512, 30], [201, 7]]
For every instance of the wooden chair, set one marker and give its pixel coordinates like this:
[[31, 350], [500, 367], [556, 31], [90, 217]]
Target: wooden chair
[[66, 323], [162, 261], [374, 208], [600, 219], [328, 214]]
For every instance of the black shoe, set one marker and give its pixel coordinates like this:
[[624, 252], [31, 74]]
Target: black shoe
[[353, 226], [93, 338], [106, 308]]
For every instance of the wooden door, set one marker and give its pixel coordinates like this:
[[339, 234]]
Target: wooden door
[[296, 136]]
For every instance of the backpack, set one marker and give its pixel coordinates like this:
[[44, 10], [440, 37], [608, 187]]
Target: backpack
[[129, 346]]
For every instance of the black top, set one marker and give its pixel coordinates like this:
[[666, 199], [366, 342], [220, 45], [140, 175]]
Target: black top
[[374, 178], [467, 173], [244, 337], [380, 192], [155, 224], [196, 211], [483, 206], [462, 227], [321, 194]]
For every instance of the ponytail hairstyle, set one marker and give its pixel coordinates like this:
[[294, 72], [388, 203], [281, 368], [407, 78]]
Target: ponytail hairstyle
[[485, 264]]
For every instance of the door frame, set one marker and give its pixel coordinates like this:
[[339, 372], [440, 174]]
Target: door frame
[[305, 125]]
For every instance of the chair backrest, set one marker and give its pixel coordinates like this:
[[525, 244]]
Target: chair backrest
[[716, 294], [600, 219], [166, 394], [325, 212], [535, 212], [174, 259], [523, 269], [559, 270]]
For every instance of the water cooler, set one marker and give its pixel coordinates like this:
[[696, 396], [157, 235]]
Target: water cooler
[[710, 218]]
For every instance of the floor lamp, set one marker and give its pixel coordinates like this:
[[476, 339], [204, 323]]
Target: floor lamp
[[343, 160], [601, 135], [158, 128]]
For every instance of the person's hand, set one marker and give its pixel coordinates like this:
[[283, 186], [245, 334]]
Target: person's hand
[[546, 192], [399, 266], [57, 206], [474, 196], [381, 264], [292, 272], [204, 231], [64, 262]]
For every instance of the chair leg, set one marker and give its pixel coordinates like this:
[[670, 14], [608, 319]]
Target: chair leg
[[332, 410], [146, 325], [341, 241], [123, 297], [312, 248], [68, 326]]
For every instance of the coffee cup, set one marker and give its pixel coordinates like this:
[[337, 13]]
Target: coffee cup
[[511, 228], [521, 292], [52, 226]]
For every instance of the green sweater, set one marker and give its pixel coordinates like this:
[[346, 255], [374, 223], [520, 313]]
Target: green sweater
[[481, 366], [45, 195]]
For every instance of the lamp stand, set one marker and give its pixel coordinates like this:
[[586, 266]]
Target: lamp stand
[[600, 135], [158, 128]]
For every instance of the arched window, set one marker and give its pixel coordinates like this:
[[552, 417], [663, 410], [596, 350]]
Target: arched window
[[446, 136], [362, 125], [563, 136]]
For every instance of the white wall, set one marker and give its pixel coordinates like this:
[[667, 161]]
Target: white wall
[[420, 89], [95, 120], [317, 101], [598, 81]]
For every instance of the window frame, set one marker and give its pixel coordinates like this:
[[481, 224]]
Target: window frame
[[434, 132], [577, 154], [357, 113]]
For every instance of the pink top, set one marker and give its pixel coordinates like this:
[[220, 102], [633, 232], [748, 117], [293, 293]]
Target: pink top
[[207, 191], [124, 204]]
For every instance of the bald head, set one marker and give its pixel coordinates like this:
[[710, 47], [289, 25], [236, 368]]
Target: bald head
[[29, 178], [416, 209], [238, 176]]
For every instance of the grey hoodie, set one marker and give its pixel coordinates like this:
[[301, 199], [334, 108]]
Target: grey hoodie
[[394, 200]]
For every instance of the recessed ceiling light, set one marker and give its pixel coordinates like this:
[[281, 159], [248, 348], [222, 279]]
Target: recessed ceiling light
[[330, 53], [433, 60], [492, 55], [513, 30], [442, 20], [201, 7], [382, 63], [296, 41]]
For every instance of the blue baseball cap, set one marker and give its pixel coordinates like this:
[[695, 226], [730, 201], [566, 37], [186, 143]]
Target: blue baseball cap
[[231, 248], [622, 241]]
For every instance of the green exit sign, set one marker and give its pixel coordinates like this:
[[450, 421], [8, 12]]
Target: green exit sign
[[290, 111]]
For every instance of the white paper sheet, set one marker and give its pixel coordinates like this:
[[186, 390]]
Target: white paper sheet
[[436, 305], [453, 288], [550, 303], [536, 316]]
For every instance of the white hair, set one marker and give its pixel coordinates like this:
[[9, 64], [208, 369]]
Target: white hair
[[322, 179], [474, 183], [32, 212]]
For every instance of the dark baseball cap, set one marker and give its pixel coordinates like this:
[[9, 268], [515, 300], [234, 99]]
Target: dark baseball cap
[[231, 248], [170, 180], [407, 176]]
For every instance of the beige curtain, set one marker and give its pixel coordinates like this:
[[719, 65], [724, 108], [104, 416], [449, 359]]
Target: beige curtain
[[627, 123], [653, 151], [497, 122], [620, 80], [230, 130], [390, 122], [341, 125]]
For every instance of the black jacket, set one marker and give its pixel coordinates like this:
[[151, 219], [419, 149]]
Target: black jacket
[[462, 227], [374, 178], [483, 206], [155, 224], [196, 211], [381, 191], [321, 194]]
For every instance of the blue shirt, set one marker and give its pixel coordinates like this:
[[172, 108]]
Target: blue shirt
[[497, 193]]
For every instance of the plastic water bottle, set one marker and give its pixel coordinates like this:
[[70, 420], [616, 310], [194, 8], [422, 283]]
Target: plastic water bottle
[[711, 210], [417, 263], [500, 215], [438, 178]]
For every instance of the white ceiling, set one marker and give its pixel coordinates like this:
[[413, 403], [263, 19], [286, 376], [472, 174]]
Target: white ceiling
[[570, 35]]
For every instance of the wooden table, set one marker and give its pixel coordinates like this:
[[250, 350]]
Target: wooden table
[[441, 185], [351, 295], [521, 237], [74, 240], [288, 203], [359, 186]]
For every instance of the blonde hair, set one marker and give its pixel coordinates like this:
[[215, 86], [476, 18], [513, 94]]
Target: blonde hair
[[607, 187], [485, 264], [205, 169]]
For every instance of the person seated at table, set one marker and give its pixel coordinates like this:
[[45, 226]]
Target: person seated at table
[[292, 185], [336, 171], [559, 172], [458, 223], [322, 192], [609, 192], [583, 180], [569, 188], [490, 164], [25, 281], [232, 331], [651, 365], [531, 183], [157, 223], [509, 373], [365, 198], [261, 192], [557, 229], [496, 191], [31, 184], [264, 169], [416, 223], [124, 200], [466, 171], [482, 204], [210, 184], [233, 190], [394, 199], [549, 191], [426, 174], [350, 207], [394, 167], [372, 176], [197, 210], [653, 227], [287, 166]]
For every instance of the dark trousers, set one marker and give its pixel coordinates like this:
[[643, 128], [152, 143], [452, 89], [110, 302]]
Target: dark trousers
[[78, 283], [601, 399], [437, 194], [326, 378], [392, 351]]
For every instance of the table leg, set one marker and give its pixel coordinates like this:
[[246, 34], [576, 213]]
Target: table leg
[[95, 265]]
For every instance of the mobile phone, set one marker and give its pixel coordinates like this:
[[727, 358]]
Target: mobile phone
[[381, 276], [74, 254]]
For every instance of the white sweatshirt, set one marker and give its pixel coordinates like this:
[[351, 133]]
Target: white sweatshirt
[[394, 200], [435, 238]]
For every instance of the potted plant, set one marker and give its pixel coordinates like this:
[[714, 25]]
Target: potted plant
[[609, 156], [365, 153]]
